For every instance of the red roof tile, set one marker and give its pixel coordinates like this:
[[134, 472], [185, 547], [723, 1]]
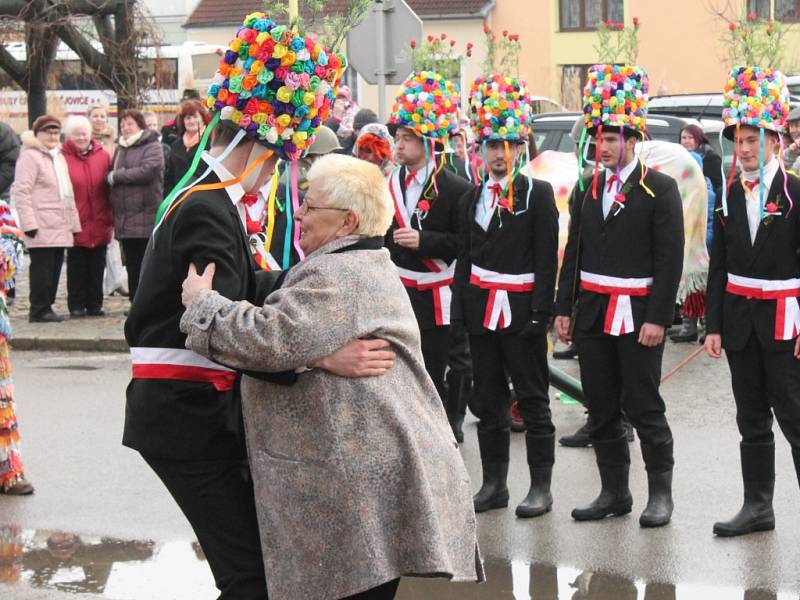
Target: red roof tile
[[211, 13]]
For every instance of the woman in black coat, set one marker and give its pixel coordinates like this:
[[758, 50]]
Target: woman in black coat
[[191, 123]]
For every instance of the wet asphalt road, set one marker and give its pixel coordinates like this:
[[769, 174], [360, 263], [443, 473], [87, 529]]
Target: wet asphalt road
[[126, 539]]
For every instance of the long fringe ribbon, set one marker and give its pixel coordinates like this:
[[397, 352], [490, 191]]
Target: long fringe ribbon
[[782, 165], [287, 238], [273, 192], [581, 145], [295, 208], [597, 148], [761, 185], [510, 172]]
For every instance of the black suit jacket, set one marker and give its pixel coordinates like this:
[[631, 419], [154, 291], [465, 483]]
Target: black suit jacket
[[523, 242], [774, 255], [184, 420], [438, 238], [645, 239]]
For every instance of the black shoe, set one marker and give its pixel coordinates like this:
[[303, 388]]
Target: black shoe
[[570, 351], [459, 388], [613, 462], [77, 313], [494, 446], [95, 312], [758, 476], [541, 455], [457, 425], [687, 332], [48, 317], [629, 434], [658, 460], [579, 439]]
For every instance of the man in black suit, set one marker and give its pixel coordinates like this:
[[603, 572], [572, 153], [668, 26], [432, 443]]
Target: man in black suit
[[504, 286], [183, 412], [423, 240], [622, 266], [752, 312]]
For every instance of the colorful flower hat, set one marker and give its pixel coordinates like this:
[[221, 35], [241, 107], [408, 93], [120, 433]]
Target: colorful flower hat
[[427, 104], [500, 109], [616, 96], [756, 97], [276, 84]]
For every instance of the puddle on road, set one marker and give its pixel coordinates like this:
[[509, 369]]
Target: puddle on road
[[135, 570]]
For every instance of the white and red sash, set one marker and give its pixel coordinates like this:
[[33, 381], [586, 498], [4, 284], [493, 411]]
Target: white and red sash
[[619, 315], [784, 291], [498, 307], [183, 365], [439, 276]]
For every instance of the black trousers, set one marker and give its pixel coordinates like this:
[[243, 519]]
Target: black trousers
[[525, 360], [133, 249], [85, 267], [217, 499], [619, 374], [386, 591], [435, 342], [763, 383], [44, 273]]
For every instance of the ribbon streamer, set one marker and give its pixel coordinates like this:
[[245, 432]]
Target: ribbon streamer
[[598, 146], [273, 192], [295, 208], [287, 239], [782, 165], [761, 185], [581, 144]]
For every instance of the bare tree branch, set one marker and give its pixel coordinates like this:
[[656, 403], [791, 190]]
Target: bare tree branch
[[13, 67]]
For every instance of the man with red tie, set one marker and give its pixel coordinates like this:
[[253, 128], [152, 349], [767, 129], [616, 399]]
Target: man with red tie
[[423, 237], [753, 285], [620, 275], [504, 286]]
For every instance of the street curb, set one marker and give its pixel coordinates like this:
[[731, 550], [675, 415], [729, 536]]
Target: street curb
[[69, 344]]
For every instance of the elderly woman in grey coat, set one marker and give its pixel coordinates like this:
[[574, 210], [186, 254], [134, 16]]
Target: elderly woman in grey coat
[[357, 481]]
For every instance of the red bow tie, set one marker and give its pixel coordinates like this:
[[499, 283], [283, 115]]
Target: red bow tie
[[410, 177], [249, 199], [752, 184], [611, 181], [497, 190]]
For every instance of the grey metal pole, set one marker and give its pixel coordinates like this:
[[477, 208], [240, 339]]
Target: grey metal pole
[[381, 73], [565, 383]]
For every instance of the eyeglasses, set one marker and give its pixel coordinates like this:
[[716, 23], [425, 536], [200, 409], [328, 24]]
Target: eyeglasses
[[306, 206]]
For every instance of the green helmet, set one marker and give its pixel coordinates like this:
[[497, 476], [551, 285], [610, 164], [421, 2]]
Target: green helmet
[[325, 142]]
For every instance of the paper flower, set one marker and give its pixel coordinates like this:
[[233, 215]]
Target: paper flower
[[616, 96], [427, 104], [276, 84], [756, 97], [500, 109]]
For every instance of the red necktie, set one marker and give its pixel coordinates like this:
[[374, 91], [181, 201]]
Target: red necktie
[[252, 225], [611, 181], [249, 199], [752, 184], [410, 177], [497, 190]]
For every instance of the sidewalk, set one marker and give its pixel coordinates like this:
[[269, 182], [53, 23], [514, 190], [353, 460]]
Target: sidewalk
[[96, 334]]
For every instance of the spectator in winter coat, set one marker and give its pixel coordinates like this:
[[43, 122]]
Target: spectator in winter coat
[[88, 164], [191, 123], [46, 207], [136, 181], [791, 156], [101, 130], [9, 152]]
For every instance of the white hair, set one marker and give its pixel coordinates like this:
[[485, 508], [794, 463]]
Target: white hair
[[356, 185], [75, 122]]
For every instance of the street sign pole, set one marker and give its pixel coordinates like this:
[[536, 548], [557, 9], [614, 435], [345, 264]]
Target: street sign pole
[[293, 11], [381, 71]]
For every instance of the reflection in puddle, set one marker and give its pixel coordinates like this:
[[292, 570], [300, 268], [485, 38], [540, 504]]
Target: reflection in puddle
[[135, 570]]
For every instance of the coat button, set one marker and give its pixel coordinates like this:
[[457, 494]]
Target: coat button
[[202, 320]]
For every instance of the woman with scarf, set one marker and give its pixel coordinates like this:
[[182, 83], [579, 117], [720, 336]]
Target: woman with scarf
[[375, 145], [191, 123], [45, 204]]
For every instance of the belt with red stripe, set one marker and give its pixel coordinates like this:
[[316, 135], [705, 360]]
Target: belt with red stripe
[[182, 365], [498, 307], [438, 282], [619, 315], [784, 291]]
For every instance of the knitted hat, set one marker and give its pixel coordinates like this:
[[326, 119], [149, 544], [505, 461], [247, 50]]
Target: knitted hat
[[500, 109], [275, 84], [756, 97], [45, 122], [427, 104], [363, 117], [616, 96]]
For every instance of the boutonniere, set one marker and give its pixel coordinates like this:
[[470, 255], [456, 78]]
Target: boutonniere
[[772, 210], [620, 198], [423, 206]]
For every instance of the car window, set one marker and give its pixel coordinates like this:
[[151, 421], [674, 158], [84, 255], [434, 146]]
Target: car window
[[565, 144]]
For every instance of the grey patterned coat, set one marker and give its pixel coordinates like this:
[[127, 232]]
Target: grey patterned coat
[[357, 481]]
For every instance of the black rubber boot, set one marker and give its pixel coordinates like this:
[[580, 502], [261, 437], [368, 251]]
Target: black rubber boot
[[579, 439], [459, 388], [758, 476], [658, 461], [613, 462], [494, 447], [687, 332], [541, 456], [567, 353]]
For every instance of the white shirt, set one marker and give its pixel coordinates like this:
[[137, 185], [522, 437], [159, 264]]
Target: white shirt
[[752, 197], [616, 186], [487, 203], [414, 187], [235, 192]]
